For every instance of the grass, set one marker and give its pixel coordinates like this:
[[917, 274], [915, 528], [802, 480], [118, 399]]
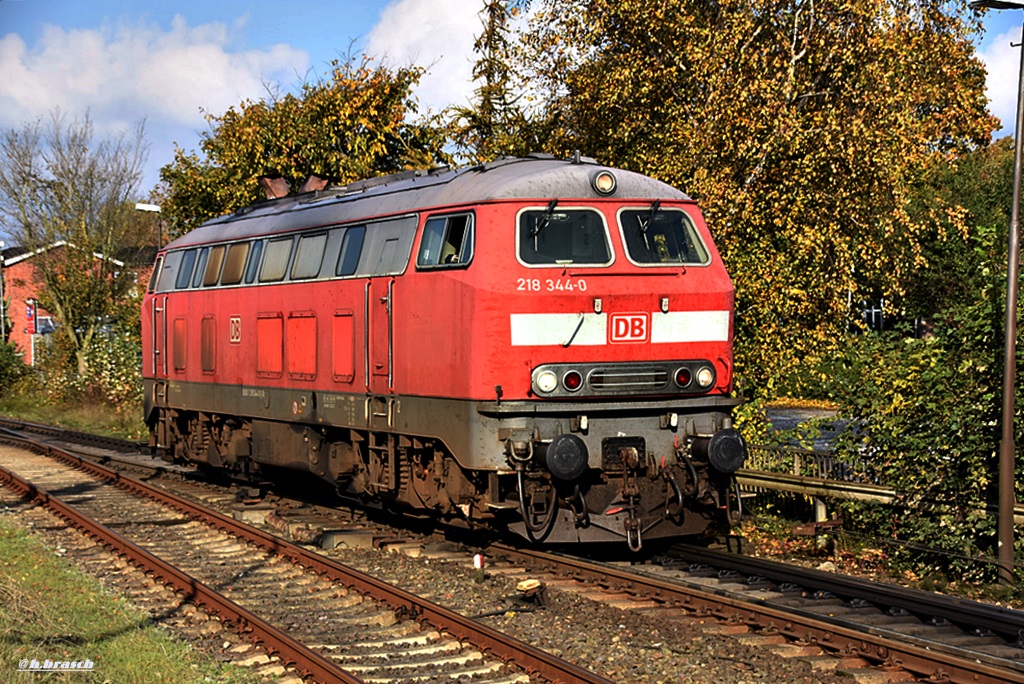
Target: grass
[[50, 610], [25, 402]]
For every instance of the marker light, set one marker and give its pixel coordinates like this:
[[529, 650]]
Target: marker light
[[683, 377], [572, 380], [705, 376]]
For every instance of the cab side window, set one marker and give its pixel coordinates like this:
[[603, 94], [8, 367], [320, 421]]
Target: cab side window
[[447, 242]]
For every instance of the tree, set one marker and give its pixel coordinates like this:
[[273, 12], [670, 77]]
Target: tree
[[349, 126], [972, 190], [494, 126], [70, 197], [799, 125]]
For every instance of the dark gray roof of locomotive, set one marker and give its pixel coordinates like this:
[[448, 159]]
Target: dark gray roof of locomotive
[[521, 178]]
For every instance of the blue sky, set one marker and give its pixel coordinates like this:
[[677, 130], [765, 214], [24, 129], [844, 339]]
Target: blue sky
[[166, 62]]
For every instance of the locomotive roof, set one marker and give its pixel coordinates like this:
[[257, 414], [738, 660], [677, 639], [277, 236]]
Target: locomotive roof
[[540, 177]]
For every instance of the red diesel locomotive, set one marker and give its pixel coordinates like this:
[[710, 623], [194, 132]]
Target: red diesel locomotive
[[534, 344]]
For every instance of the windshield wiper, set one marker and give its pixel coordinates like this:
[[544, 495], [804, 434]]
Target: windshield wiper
[[644, 223], [543, 222]]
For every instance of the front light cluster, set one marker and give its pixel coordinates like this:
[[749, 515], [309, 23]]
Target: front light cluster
[[651, 378], [547, 381], [704, 377]]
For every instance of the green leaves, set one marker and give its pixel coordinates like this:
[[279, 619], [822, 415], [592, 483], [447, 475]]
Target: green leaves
[[351, 125], [800, 128]]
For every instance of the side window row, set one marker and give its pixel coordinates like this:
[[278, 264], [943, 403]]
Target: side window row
[[378, 249], [264, 261]]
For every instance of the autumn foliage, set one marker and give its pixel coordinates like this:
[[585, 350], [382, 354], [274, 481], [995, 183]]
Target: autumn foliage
[[348, 126], [801, 127]]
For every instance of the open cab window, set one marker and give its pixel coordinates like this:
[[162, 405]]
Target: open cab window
[[447, 242]]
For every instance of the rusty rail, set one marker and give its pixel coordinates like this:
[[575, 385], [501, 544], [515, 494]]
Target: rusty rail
[[487, 639], [274, 640], [830, 635]]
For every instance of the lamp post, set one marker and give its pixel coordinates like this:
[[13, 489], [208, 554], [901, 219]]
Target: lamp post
[[1007, 448], [3, 310]]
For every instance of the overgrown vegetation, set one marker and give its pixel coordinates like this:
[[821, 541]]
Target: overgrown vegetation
[[69, 198]]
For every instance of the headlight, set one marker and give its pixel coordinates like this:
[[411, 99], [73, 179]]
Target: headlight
[[603, 183], [705, 376], [547, 381]]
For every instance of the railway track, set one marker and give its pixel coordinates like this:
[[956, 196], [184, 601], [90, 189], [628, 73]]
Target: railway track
[[326, 621], [828, 620], [928, 636]]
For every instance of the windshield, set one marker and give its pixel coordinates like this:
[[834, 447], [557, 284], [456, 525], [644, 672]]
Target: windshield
[[563, 236], [661, 236]]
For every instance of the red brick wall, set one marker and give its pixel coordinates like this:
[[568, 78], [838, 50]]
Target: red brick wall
[[20, 284]]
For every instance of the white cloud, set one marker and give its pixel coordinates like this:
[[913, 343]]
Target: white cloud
[[437, 35], [1002, 61], [123, 73]]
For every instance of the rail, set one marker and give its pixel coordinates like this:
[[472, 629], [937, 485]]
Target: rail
[[485, 638], [830, 633]]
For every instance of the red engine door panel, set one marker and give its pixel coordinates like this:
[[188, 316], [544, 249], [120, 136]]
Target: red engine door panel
[[159, 330], [380, 305]]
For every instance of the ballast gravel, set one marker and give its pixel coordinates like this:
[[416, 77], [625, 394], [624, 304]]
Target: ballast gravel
[[627, 646]]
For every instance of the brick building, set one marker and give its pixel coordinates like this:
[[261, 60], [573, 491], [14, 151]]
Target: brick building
[[30, 324]]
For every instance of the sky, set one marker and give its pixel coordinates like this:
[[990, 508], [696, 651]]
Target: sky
[[168, 62]]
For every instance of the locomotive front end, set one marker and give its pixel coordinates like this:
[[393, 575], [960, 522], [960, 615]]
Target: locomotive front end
[[617, 425]]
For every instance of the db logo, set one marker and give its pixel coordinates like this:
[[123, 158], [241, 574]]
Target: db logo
[[629, 328], [235, 330]]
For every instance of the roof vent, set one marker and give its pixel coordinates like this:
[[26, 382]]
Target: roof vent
[[313, 184], [275, 188]]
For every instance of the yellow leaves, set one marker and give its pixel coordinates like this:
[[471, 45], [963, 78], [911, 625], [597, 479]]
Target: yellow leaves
[[800, 136], [350, 125]]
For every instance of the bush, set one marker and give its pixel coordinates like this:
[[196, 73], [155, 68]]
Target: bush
[[925, 413], [12, 367], [114, 376]]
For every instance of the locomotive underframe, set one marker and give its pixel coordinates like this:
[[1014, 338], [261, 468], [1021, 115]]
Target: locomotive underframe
[[478, 462]]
